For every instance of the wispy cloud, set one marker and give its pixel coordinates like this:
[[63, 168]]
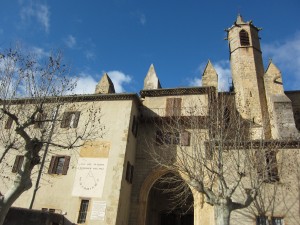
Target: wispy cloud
[[119, 80], [140, 16], [286, 55], [70, 41], [142, 19], [90, 55], [224, 75], [38, 52], [36, 11]]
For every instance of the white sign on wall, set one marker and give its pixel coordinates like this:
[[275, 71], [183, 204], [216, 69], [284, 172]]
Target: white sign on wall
[[98, 210], [90, 177]]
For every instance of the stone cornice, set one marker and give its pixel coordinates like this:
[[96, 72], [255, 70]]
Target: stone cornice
[[77, 98], [176, 91], [292, 92], [262, 144]]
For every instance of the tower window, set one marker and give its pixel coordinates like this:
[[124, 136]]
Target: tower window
[[244, 38]]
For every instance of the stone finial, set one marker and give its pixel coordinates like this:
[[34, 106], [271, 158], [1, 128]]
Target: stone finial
[[210, 76], [105, 85], [273, 79], [151, 80], [239, 19]]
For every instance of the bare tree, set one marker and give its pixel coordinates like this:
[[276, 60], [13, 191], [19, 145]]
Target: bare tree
[[276, 200], [32, 93], [216, 152]]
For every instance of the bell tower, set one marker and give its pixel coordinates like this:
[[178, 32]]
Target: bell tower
[[247, 72]]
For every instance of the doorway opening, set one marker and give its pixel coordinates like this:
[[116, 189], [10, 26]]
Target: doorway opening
[[168, 205]]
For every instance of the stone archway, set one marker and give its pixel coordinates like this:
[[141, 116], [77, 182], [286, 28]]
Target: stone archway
[[151, 197]]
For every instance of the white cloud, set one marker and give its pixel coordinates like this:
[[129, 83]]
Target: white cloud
[[119, 79], [224, 75], [286, 55], [38, 11], [70, 41], [86, 84], [195, 82]]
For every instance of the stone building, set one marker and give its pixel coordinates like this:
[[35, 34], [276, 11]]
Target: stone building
[[112, 179]]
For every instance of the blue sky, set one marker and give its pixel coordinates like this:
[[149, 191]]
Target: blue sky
[[123, 37]]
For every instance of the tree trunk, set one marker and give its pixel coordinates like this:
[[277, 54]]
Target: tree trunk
[[21, 184], [222, 214]]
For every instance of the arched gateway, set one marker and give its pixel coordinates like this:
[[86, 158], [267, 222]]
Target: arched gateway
[[155, 204]]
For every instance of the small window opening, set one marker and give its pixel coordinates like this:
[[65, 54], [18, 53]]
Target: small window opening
[[83, 211], [244, 38]]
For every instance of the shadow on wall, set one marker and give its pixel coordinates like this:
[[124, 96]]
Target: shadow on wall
[[21, 216]]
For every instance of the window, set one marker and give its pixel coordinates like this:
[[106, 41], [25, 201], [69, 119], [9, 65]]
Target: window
[[164, 138], [129, 172], [83, 211], [173, 107], [262, 220], [18, 163], [59, 165], [208, 151], [169, 138], [51, 210], [267, 166], [40, 120], [159, 137], [134, 127], [244, 38], [70, 119], [185, 138], [277, 221], [8, 123], [272, 170], [226, 118]]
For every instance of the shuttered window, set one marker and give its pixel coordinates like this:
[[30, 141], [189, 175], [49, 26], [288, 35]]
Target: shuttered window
[[70, 119], [267, 166], [18, 163], [272, 170], [40, 120], [59, 165], [169, 138], [8, 123], [184, 138], [173, 107]]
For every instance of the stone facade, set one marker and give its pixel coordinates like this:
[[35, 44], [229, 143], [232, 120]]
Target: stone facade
[[110, 179]]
